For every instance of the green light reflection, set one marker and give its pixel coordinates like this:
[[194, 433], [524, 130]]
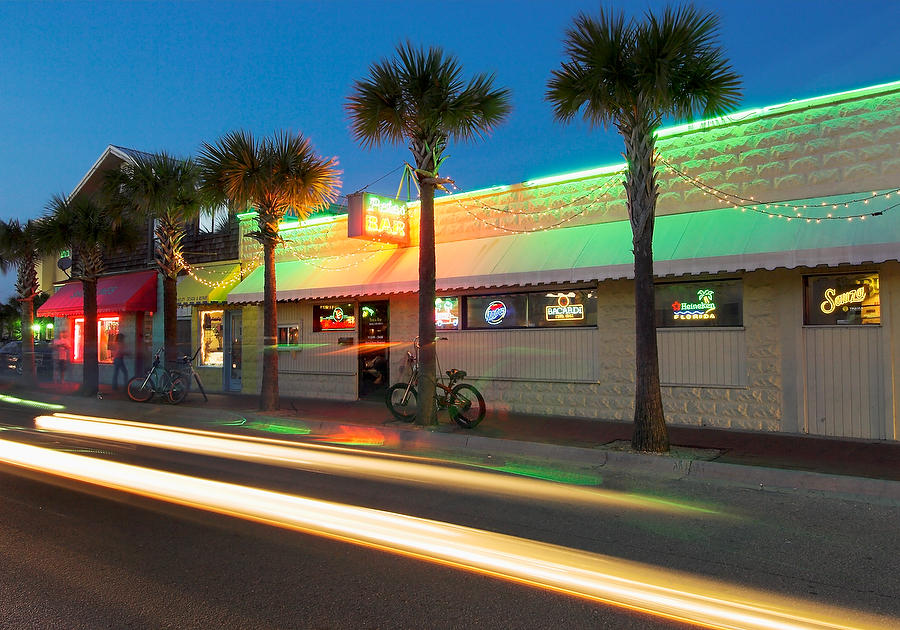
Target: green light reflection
[[13, 400]]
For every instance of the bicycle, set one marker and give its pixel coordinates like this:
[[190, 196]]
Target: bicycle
[[186, 371], [158, 381], [463, 402]]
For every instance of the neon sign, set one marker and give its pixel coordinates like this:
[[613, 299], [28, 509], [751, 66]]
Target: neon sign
[[495, 312], [704, 308], [333, 317], [564, 310], [377, 218], [832, 300], [446, 313]]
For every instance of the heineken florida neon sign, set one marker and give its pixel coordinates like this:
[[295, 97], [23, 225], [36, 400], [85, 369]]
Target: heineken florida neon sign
[[703, 308]]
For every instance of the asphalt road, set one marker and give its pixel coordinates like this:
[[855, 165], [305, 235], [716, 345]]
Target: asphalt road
[[76, 560]]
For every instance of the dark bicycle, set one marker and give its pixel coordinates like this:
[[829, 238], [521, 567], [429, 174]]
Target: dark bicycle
[[188, 374], [159, 381], [463, 402]]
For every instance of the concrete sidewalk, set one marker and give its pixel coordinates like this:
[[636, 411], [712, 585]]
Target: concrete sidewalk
[[757, 460]]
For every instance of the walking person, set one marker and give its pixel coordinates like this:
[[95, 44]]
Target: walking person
[[62, 358], [119, 354]]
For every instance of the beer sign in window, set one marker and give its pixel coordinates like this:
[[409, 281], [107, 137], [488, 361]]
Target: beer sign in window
[[497, 311], [700, 304], [333, 317], [446, 313], [844, 300]]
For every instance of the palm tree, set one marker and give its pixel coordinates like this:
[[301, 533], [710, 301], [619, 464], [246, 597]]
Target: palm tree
[[419, 97], [631, 75], [271, 176], [18, 246], [165, 190], [90, 231]]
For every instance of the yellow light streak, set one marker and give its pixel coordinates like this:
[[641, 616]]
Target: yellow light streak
[[587, 575], [349, 462]]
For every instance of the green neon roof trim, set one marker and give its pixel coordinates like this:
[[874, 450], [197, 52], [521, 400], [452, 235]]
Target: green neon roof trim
[[592, 172], [768, 109]]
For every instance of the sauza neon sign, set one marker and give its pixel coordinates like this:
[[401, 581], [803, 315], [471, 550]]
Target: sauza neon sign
[[833, 300], [704, 308], [377, 218]]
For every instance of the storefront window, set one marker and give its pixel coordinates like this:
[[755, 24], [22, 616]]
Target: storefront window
[[107, 329], [333, 317], [211, 350], [446, 313], [845, 300], [497, 311], [289, 335], [561, 309], [707, 304]]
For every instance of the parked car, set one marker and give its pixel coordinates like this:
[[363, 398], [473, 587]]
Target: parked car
[[11, 356]]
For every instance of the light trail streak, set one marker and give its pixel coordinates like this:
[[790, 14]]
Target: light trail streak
[[347, 462], [592, 576]]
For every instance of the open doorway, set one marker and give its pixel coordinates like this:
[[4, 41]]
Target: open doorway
[[373, 349]]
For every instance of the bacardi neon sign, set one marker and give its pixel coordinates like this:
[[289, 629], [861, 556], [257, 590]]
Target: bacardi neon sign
[[377, 218], [564, 310], [703, 308]]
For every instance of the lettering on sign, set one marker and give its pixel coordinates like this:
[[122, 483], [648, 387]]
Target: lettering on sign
[[377, 218], [832, 300], [564, 310], [495, 312], [703, 308]]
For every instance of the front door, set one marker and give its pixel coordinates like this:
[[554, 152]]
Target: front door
[[373, 348], [232, 363]]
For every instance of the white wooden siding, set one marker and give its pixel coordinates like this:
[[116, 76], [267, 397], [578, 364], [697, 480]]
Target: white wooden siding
[[568, 355], [320, 352], [845, 383], [707, 357]]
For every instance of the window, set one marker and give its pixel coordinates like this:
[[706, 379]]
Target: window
[[212, 219], [211, 350], [541, 309], [497, 311], [561, 309], [333, 317], [710, 304], [289, 335], [446, 313], [107, 329], [842, 300]]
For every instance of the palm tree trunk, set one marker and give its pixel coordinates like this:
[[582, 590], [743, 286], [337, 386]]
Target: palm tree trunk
[[650, 433], [268, 400], [29, 370], [427, 353], [170, 326], [90, 379]]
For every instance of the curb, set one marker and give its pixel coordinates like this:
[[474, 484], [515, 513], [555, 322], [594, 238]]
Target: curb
[[404, 437]]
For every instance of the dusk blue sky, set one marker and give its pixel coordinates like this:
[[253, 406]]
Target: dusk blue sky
[[76, 77]]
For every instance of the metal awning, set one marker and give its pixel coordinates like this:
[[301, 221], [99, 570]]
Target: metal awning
[[712, 241], [208, 284], [121, 293]]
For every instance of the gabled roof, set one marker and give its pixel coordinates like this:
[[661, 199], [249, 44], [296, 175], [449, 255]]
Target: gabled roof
[[112, 157]]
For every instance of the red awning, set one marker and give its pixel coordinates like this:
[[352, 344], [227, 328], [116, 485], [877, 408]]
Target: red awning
[[115, 294]]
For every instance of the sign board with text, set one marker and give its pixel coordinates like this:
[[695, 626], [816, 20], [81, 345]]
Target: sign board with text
[[376, 218]]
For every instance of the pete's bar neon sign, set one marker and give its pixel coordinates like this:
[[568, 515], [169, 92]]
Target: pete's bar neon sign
[[377, 218]]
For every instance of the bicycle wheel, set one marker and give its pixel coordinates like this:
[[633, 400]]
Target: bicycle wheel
[[178, 389], [402, 409], [140, 389], [466, 405]]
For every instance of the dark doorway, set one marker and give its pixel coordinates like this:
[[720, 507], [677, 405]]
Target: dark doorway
[[373, 349]]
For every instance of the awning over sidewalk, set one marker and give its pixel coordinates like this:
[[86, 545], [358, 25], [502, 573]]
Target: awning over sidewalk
[[713, 241], [208, 284], [115, 294]]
